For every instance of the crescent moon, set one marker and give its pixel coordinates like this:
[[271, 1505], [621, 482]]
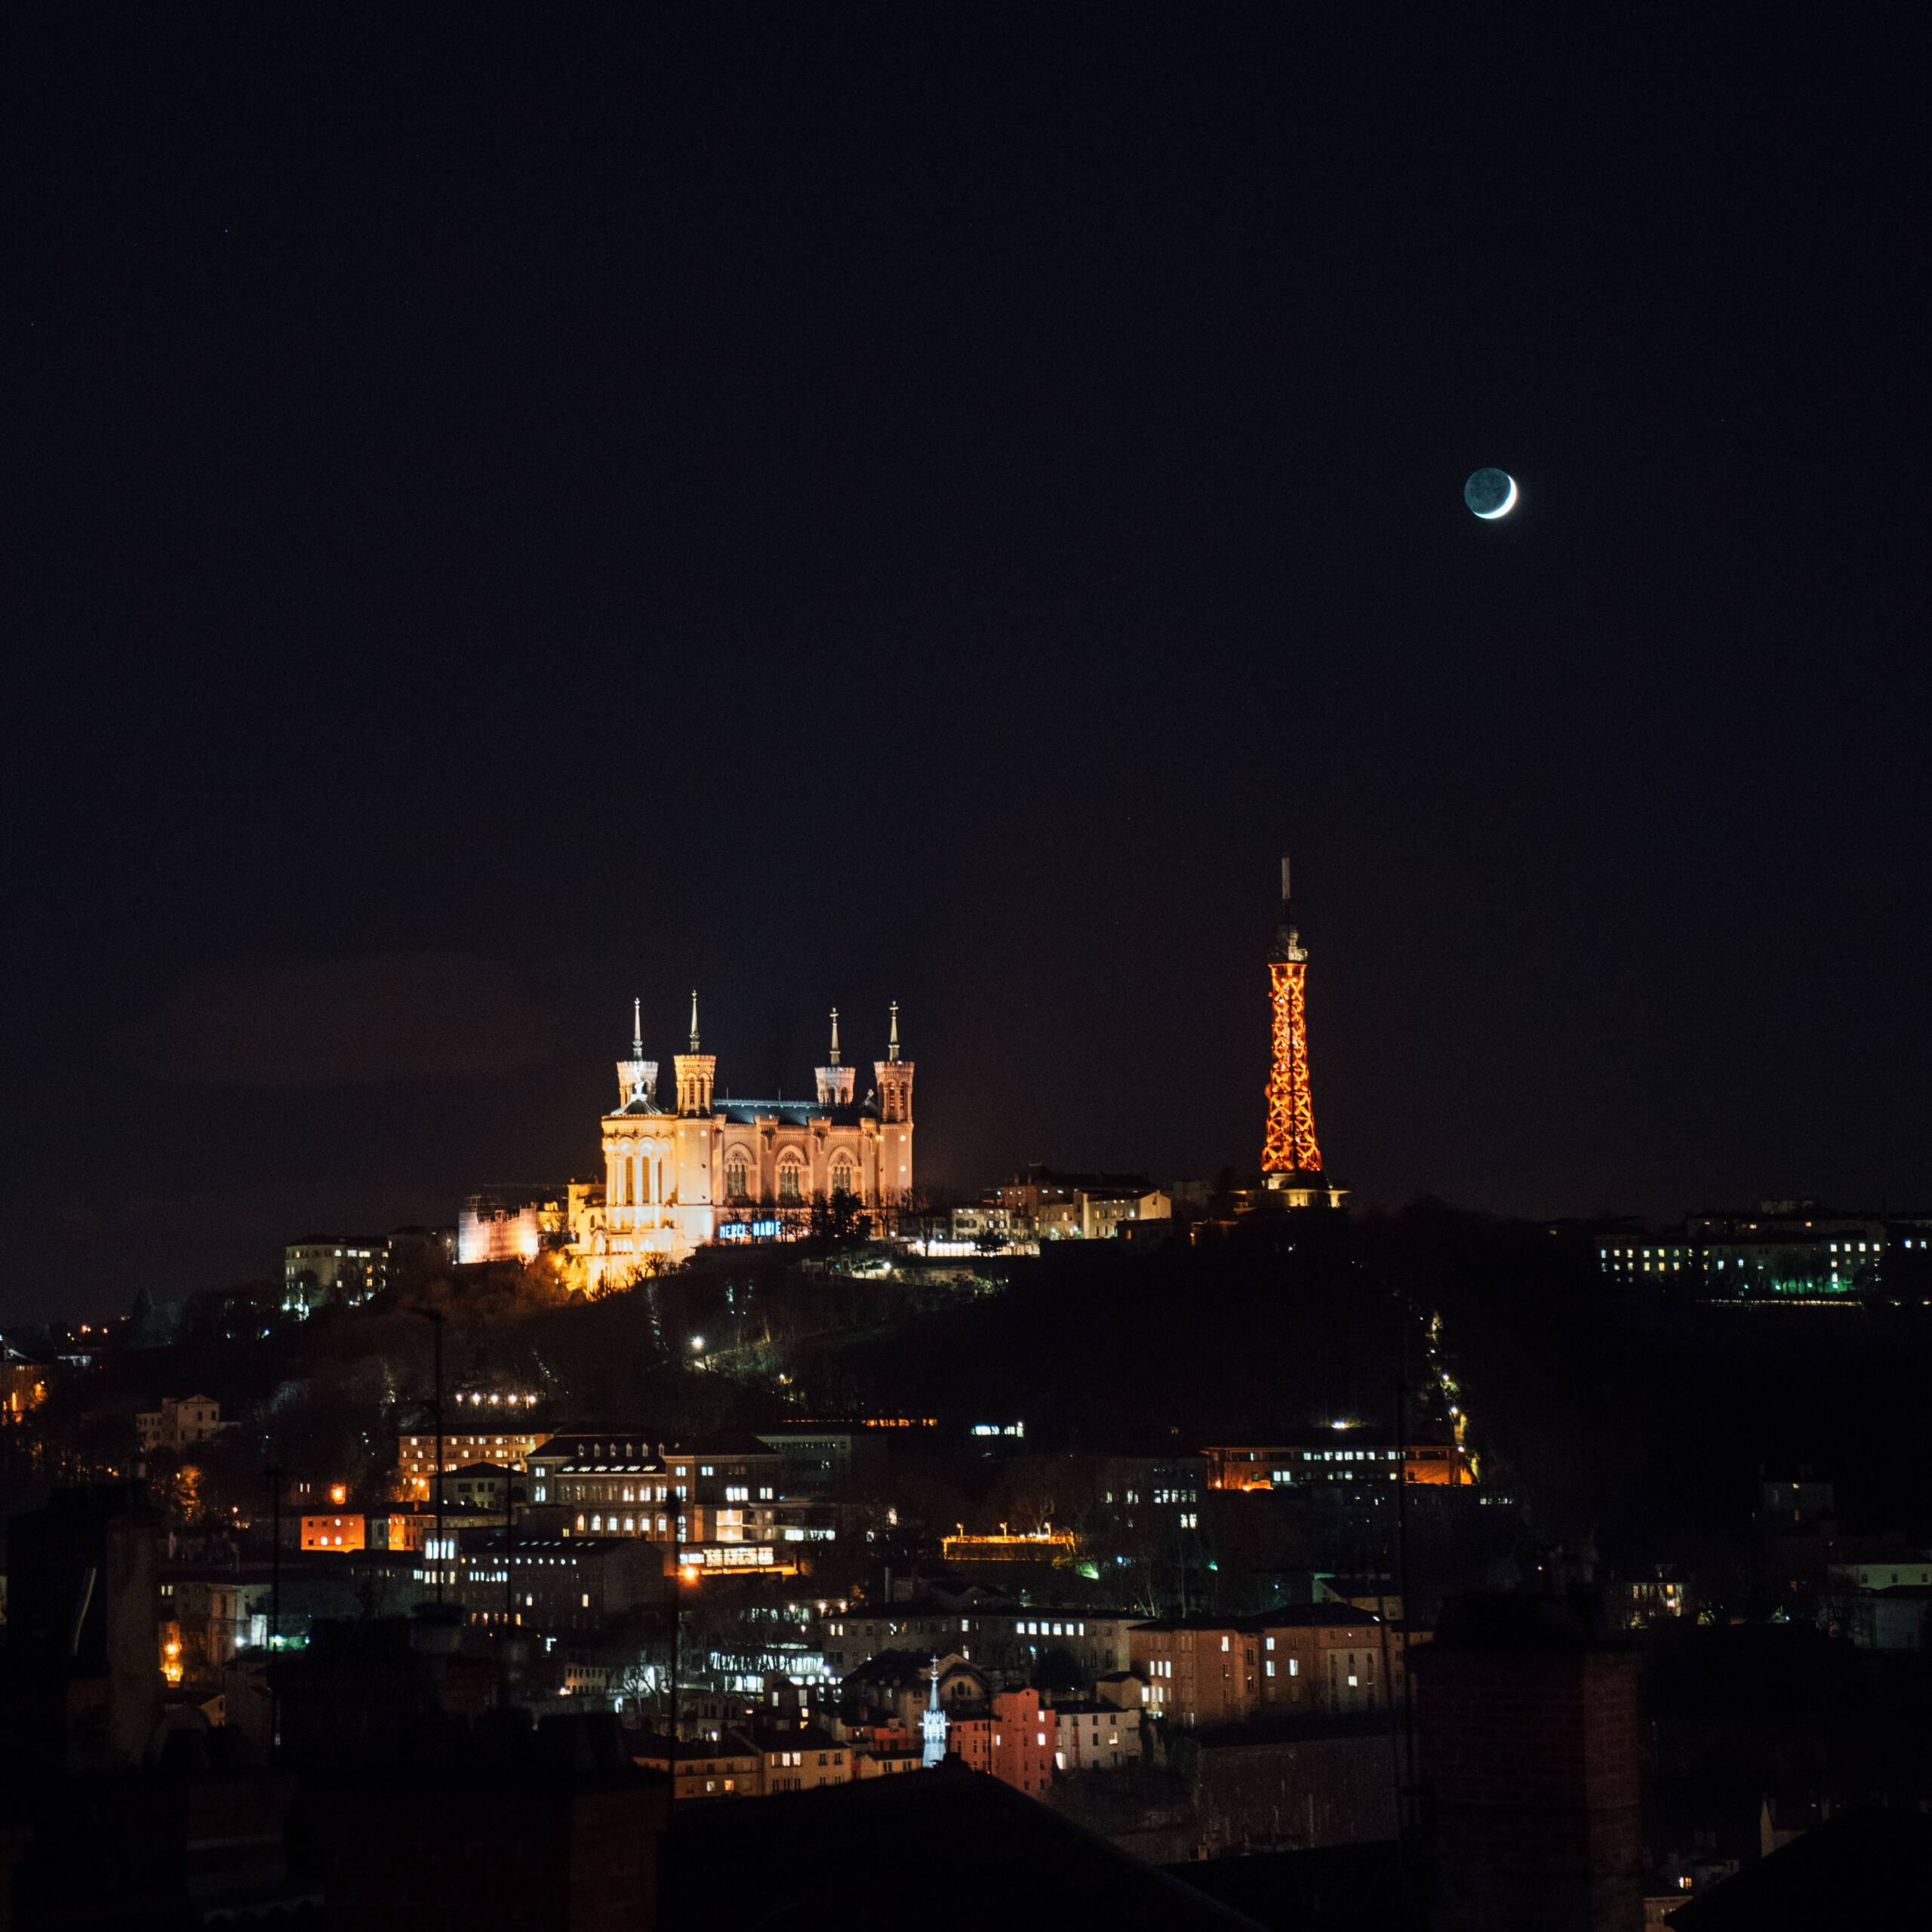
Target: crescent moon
[[1502, 508]]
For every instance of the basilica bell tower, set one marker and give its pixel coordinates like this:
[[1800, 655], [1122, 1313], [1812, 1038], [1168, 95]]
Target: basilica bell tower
[[893, 1077]]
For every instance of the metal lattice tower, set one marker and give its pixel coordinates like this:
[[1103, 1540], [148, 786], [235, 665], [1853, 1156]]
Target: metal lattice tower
[[1291, 1148]]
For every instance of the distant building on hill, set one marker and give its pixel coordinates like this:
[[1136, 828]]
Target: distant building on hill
[[179, 1423], [1042, 1204], [708, 1168], [514, 1224], [352, 1268], [1780, 1251]]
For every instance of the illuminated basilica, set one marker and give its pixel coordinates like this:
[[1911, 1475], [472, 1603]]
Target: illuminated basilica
[[706, 1170]]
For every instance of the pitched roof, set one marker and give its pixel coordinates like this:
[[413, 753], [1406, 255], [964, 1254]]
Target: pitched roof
[[894, 1669], [803, 1848]]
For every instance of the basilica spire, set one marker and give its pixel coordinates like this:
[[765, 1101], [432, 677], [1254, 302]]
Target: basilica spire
[[637, 1077], [835, 1083], [932, 1725], [693, 1019], [892, 1039]]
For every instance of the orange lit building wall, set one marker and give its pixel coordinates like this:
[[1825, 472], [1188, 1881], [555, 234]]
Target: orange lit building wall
[[1016, 1743], [333, 1532]]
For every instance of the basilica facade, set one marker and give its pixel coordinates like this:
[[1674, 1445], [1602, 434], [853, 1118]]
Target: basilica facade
[[704, 1170]]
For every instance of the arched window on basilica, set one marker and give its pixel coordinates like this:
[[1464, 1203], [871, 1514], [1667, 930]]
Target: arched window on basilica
[[841, 1175], [789, 1171], [736, 1175]]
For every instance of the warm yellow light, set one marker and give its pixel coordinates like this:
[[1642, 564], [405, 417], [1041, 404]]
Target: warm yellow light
[[338, 1492]]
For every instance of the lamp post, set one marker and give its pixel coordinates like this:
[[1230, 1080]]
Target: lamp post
[[275, 1606]]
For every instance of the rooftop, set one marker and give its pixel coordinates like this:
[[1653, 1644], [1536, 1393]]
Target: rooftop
[[803, 1848], [1283, 1617]]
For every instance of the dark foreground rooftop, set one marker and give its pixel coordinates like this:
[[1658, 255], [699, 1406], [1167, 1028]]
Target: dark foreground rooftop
[[794, 1862], [1862, 1868]]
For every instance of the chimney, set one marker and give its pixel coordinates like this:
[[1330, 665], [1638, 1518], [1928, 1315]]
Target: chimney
[[1526, 1733]]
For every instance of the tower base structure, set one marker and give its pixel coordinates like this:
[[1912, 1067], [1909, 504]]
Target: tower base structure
[[1305, 1190]]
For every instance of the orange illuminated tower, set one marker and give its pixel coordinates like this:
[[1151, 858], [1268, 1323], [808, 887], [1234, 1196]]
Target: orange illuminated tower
[[1290, 1155]]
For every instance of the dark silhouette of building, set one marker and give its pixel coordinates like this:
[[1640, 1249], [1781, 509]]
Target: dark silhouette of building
[[82, 1663]]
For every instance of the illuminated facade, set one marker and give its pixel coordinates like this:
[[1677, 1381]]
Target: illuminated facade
[[415, 1454], [707, 1169], [1290, 1155], [1356, 1463]]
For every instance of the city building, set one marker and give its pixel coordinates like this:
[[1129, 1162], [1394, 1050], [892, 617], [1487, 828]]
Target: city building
[[416, 1453], [335, 1532], [1014, 1740], [1090, 1735], [993, 1227], [1895, 1617], [179, 1423], [721, 1490], [1290, 1155], [726, 1765], [714, 1168], [821, 1461], [1007, 1640], [1297, 1658], [1912, 1570], [1781, 1251], [1104, 1212], [214, 1617], [350, 1268], [320, 1269], [1043, 1203], [1294, 1784], [23, 1381], [515, 1223], [1348, 1459], [564, 1587], [490, 1487], [802, 1759], [899, 1688]]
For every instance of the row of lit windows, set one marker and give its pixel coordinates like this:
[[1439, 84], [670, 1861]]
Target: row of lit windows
[[1672, 1257], [589, 1492], [599, 1527]]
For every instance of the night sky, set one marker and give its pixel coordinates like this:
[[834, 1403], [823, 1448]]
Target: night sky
[[830, 505]]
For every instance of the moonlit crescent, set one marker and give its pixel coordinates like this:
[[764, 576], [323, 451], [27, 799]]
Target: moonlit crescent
[[1502, 508]]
